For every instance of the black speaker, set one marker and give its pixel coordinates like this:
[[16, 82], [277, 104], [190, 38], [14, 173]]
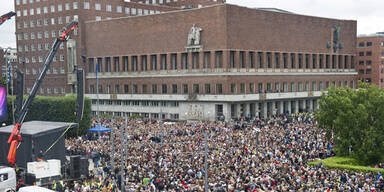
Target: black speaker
[[84, 164], [20, 92], [80, 94], [30, 179], [74, 167]]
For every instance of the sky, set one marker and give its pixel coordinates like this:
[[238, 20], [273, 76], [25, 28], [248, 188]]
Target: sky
[[368, 13]]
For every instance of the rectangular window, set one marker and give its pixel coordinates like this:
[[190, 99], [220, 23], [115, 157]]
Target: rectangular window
[[207, 60], [174, 61], [108, 8], [232, 59], [144, 89], [135, 89], [196, 88], [174, 88], [260, 60], [154, 89], [368, 71], [154, 62], [233, 88], [219, 88], [143, 63], [117, 89], [91, 65], [285, 60], [164, 89], [116, 64], [107, 64], [126, 88], [361, 44], [251, 56], [293, 87], [207, 88], [361, 53], [163, 62], [277, 60], [242, 59], [184, 58], [119, 9], [195, 60], [293, 64], [369, 53], [369, 44], [300, 60], [314, 86], [251, 88], [97, 6], [86, 5], [185, 88], [218, 59], [134, 63], [242, 88]]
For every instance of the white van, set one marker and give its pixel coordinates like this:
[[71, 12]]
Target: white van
[[7, 179], [34, 189]]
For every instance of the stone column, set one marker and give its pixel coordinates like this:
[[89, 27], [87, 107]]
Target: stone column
[[273, 107], [305, 105], [212, 60], [311, 109], [281, 107], [190, 61], [290, 106], [265, 109], [297, 106], [158, 62], [201, 60], [247, 109]]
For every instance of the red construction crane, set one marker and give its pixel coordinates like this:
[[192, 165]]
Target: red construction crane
[[15, 137], [7, 16]]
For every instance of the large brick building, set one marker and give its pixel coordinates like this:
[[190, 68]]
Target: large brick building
[[248, 62], [201, 63], [370, 58]]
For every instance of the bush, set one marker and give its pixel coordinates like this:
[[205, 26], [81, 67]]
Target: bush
[[345, 163], [62, 109]]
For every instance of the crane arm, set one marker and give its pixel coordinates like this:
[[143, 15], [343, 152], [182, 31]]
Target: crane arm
[[15, 137], [7, 16]]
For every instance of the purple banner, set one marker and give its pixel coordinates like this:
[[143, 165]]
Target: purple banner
[[3, 104]]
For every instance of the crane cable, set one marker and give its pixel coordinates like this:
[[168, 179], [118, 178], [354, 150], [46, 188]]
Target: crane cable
[[57, 140]]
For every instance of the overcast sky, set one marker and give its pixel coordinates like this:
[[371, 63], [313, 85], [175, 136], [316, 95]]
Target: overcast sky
[[368, 13]]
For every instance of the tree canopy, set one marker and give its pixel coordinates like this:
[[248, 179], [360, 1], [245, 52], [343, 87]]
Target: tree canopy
[[354, 120]]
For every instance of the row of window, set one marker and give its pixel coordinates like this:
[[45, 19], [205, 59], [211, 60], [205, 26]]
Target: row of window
[[137, 103], [144, 115], [239, 88], [368, 44], [36, 47], [86, 5], [365, 44], [288, 60], [368, 62], [54, 70], [49, 90], [45, 22], [40, 59], [368, 71], [368, 53]]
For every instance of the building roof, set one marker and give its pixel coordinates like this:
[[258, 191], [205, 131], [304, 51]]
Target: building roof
[[377, 34], [273, 9]]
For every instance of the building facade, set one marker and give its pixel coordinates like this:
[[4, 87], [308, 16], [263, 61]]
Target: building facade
[[217, 61], [38, 23], [370, 58]]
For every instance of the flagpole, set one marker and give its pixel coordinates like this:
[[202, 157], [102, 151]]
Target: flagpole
[[97, 95]]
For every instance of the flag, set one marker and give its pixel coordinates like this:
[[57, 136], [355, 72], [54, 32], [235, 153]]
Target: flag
[[9, 73]]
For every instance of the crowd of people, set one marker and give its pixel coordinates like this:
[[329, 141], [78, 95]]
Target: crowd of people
[[243, 155]]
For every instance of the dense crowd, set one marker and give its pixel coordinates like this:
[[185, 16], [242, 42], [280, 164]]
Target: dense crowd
[[244, 155]]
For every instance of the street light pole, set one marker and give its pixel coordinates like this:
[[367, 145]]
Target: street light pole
[[206, 161]]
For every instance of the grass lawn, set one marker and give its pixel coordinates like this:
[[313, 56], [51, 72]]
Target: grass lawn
[[345, 163]]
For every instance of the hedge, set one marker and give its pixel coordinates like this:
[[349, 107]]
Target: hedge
[[46, 108], [345, 163]]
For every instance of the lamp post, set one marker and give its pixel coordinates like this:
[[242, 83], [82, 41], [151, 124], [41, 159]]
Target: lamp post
[[9, 74]]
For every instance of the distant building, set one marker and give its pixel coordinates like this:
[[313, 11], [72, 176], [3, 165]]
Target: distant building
[[38, 23], [9, 56], [217, 61], [370, 58]]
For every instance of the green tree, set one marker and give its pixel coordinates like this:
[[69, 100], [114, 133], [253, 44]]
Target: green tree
[[354, 120]]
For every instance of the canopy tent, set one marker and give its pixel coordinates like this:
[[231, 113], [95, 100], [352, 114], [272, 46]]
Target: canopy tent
[[98, 128]]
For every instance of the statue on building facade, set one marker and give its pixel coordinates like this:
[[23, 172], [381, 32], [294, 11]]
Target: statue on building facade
[[194, 36]]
